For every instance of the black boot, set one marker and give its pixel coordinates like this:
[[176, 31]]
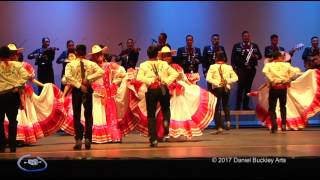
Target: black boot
[[166, 138], [154, 143], [88, 144], [78, 145], [13, 149], [228, 126]]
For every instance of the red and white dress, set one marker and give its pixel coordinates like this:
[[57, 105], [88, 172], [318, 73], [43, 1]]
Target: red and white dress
[[192, 108], [43, 114], [303, 101], [111, 116]]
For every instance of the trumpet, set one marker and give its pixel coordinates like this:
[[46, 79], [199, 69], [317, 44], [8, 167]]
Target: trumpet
[[248, 56]]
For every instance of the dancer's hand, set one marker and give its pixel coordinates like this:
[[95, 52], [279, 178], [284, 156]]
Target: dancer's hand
[[85, 82], [84, 88], [157, 79]]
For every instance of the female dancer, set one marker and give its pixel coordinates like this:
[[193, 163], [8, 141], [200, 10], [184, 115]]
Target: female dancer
[[39, 115], [111, 120], [192, 108]]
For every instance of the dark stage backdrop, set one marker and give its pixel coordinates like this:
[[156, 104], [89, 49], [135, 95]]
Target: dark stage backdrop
[[112, 22]]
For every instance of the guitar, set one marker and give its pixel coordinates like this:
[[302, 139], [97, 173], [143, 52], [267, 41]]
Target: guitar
[[299, 46]]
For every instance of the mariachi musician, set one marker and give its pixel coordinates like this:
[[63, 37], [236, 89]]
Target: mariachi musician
[[44, 57], [209, 55], [189, 57], [244, 59], [129, 57], [274, 47], [311, 52]]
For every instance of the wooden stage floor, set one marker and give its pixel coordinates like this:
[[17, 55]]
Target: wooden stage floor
[[234, 143]]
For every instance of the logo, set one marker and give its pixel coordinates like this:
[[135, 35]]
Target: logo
[[28, 163]]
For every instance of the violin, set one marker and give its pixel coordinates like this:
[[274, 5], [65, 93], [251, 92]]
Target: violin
[[52, 49]]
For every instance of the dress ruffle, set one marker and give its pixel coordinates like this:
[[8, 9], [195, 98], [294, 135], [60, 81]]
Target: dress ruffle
[[42, 116], [303, 102], [199, 104]]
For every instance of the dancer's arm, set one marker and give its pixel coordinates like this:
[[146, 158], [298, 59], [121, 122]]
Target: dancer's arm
[[119, 75], [211, 77], [66, 90], [173, 75], [233, 76], [38, 83], [143, 77]]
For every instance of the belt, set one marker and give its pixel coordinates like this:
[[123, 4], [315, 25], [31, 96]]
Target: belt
[[7, 91], [154, 85], [280, 86]]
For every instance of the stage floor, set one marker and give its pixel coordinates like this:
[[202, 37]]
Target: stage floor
[[236, 142]]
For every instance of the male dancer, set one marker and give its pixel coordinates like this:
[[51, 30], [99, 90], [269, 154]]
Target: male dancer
[[279, 75], [157, 75], [80, 73], [220, 75], [12, 78]]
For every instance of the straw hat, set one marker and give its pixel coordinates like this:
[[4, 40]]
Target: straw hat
[[13, 47], [97, 49], [166, 49]]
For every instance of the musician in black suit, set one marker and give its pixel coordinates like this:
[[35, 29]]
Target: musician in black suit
[[310, 52], [245, 66], [209, 56], [129, 57], [188, 57], [162, 41], [44, 57], [274, 47], [63, 58]]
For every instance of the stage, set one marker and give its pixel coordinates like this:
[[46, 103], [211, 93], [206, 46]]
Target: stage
[[234, 143], [206, 156]]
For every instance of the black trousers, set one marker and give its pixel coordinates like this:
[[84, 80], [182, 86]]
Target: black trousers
[[209, 87], [274, 95], [9, 105], [246, 77], [222, 103], [45, 75], [62, 74], [153, 96], [79, 98]]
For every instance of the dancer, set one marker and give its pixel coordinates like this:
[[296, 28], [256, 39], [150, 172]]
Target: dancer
[[191, 107], [12, 78], [221, 76], [38, 116], [80, 73], [104, 102], [157, 75], [112, 118], [279, 75], [303, 101]]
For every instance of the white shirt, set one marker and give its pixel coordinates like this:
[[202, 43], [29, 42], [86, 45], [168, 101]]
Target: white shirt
[[213, 75], [92, 72], [280, 72], [147, 75], [13, 74]]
